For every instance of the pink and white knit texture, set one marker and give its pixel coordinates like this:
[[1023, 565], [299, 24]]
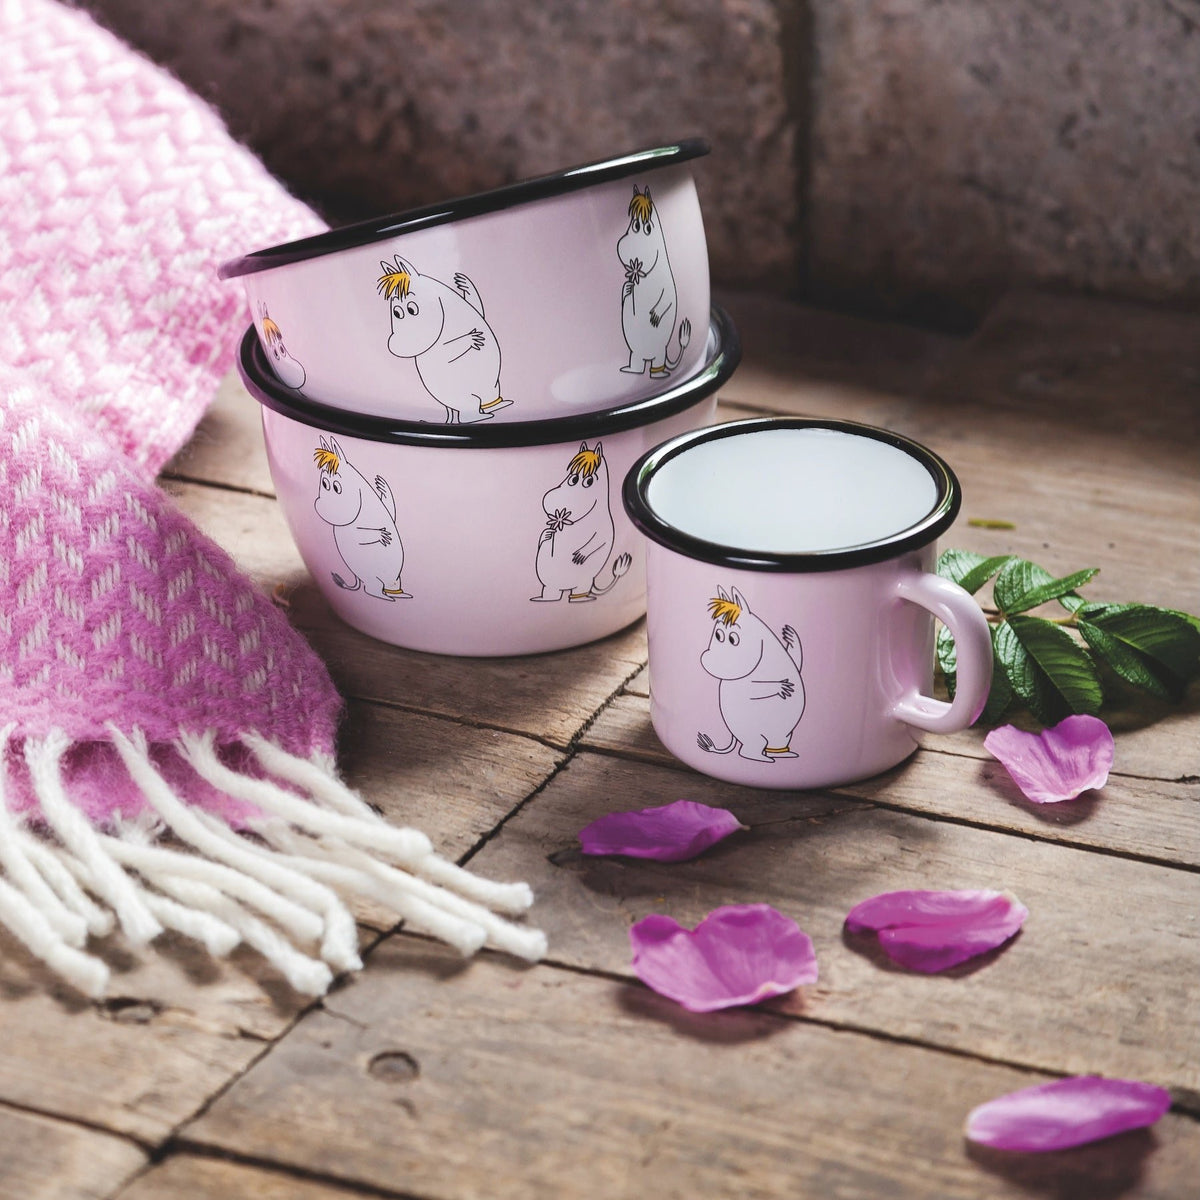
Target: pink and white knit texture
[[120, 194], [118, 610], [153, 702]]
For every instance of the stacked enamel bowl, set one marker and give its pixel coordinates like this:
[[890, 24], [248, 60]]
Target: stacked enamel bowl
[[452, 396]]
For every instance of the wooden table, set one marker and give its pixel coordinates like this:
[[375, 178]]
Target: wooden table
[[424, 1076]]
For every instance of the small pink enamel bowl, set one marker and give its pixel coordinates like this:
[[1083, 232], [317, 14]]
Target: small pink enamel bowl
[[792, 596], [490, 539], [561, 295]]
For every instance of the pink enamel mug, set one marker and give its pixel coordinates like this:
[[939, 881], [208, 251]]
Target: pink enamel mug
[[791, 600]]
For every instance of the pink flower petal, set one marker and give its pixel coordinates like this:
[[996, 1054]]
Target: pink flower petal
[[1067, 1112], [1058, 763], [672, 833], [931, 931], [739, 954]]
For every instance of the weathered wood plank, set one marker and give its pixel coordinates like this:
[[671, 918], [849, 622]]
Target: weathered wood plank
[[493, 1082], [45, 1159], [191, 1177], [1105, 976], [176, 1027], [1150, 819], [639, 685], [1130, 370], [1154, 739], [550, 696], [1135, 520], [453, 781]]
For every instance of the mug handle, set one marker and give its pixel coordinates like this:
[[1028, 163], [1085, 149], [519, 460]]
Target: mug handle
[[959, 612]]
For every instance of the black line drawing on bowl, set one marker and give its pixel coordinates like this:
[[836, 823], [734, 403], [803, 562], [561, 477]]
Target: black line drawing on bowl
[[363, 517], [648, 296], [577, 539], [443, 330], [289, 370]]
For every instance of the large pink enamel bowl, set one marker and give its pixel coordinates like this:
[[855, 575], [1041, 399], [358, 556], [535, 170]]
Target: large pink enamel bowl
[[491, 539], [560, 295]]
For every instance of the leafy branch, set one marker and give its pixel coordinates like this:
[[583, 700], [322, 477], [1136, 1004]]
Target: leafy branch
[[1056, 666]]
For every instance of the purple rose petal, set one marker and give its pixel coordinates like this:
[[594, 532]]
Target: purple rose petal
[[931, 931], [739, 954], [1067, 1112], [1058, 763], [672, 833]]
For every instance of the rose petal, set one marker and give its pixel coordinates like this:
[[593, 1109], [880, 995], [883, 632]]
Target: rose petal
[[672, 833], [739, 954], [1067, 1112], [931, 931], [1058, 763]]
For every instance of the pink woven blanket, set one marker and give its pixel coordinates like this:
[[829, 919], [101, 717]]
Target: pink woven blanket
[[155, 708]]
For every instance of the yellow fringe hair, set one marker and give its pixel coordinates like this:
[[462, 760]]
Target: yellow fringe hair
[[271, 331], [585, 463], [327, 460], [641, 206], [721, 609], [394, 283]]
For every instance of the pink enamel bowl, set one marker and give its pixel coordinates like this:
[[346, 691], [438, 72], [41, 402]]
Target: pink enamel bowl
[[483, 539], [560, 295]]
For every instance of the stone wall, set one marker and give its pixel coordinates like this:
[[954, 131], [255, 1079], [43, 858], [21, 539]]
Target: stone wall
[[959, 146], [911, 157]]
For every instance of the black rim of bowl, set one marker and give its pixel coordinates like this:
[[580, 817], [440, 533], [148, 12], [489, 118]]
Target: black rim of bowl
[[268, 391], [921, 533], [377, 229]]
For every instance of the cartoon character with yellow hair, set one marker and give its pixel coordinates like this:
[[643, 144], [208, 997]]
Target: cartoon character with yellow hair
[[578, 537], [289, 370], [442, 329], [364, 524], [761, 694], [648, 298]]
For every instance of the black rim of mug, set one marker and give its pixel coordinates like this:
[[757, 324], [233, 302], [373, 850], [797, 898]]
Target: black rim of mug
[[921, 533]]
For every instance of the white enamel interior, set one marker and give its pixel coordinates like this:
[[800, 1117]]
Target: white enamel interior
[[792, 491]]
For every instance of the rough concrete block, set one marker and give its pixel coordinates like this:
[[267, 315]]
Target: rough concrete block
[[960, 146], [368, 108]]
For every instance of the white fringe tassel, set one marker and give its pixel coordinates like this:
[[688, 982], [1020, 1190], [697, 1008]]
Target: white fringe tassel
[[279, 892]]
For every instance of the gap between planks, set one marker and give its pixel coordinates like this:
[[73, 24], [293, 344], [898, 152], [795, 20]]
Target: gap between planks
[[649, 759]]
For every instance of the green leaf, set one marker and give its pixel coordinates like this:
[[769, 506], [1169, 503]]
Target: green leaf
[[968, 569], [1056, 589], [954, 564], [1018, 577], [1001, 696], [1131, 666], [1167, 637], [1000, 699], [1023, 585], [1047, 669], [947, 658]]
